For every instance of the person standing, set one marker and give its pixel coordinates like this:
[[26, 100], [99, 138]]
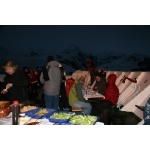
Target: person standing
[[15, 82], [91, 70], [51, 84], [63, 99]]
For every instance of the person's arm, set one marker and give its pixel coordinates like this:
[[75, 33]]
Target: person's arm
[[41, 78], [21, 80], [108, 94], [78, 89], [93, 84]]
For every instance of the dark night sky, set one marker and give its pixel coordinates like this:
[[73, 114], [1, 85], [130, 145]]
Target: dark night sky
[[88, 38]]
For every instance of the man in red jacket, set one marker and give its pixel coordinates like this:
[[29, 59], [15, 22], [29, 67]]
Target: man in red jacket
[[111, 95]]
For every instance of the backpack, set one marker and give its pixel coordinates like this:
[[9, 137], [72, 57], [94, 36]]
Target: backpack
[[45, 73]]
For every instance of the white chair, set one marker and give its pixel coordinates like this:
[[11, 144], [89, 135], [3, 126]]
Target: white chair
[[143, 81], [140, 100], [123, 86], [134, 89], [120, 77], [126, 94]]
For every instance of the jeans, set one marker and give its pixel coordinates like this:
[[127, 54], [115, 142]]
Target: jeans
[[51, 102], [86, 107]]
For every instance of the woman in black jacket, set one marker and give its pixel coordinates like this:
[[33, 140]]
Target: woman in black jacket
[[15, 82]]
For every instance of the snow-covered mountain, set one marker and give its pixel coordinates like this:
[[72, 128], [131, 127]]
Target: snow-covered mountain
[[73, 58]]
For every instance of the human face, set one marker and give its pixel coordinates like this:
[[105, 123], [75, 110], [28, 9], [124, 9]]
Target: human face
[[98, 78], [99, 70], [9, 70]]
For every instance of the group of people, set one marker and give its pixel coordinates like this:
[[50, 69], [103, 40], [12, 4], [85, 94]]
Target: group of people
[[33, 76], [59, 92], [19, 84], [106, 87], [56, 89]]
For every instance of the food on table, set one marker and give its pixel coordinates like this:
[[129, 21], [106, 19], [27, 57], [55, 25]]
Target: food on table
[[33, 123], [61, 115], [28, 121], [4, 104], [42, 112], [22, 115], [4, 112], [27, 108], [23, 120], [83, 120]]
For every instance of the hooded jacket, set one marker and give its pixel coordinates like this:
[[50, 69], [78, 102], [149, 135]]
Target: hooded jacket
[[112, 92], [52, 86], [75, 93], [69, 83]]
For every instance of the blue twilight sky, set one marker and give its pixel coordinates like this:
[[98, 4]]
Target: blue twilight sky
[[93, 39]]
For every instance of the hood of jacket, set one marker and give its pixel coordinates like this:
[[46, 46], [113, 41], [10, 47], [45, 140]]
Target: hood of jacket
[[112, 79], [53, 64]]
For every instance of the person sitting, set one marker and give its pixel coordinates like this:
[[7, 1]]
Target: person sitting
[[99, 84], [111, 94], [101, 73], [76, 98]]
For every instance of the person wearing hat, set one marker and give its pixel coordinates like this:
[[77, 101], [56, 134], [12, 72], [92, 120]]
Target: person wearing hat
[[99, 84], [76, 98]]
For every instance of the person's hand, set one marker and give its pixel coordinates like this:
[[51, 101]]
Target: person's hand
[[9, 85], [4, 91]]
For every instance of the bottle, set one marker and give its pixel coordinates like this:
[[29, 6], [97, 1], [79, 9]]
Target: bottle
[[15, 113]]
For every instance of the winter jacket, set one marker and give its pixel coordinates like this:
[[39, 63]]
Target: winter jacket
[[52, 86], [75, 93], [19, 89], [112, 92], [34, 77], [69, 83], [100, 86]]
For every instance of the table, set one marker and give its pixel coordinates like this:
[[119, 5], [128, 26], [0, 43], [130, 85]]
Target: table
[[92, 94], [8, 121]]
